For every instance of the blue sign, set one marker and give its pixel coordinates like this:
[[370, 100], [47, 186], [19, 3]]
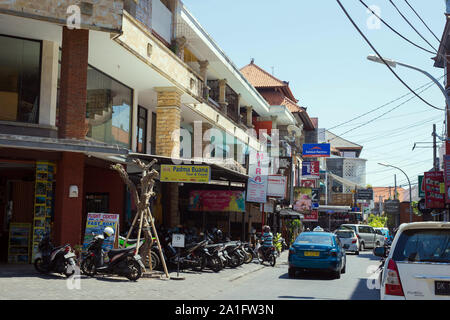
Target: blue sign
[[316, 150]]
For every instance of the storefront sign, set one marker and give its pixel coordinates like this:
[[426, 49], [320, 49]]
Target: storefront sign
[[19, 242], [308, 183], [178, 240], [302, 199], [217, 200], [185, 173], [276, 186], [392, 207], [315, 198], [315, 150], [258, 177], [447, 178], [311, 217], [310, 169], [421, 187], [96, 223], [364, 194], [434, 199]]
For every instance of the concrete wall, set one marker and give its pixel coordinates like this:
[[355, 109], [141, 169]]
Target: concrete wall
[[103, 15]]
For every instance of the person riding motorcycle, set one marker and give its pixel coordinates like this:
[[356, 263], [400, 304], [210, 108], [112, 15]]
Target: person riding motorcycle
[[266, 240]]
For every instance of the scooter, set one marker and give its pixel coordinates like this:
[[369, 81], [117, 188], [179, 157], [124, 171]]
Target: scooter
[[268, 254], [123, 262], [55, 259]]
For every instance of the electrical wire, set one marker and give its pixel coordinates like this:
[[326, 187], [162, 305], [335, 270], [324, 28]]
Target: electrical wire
[[422, 21], [379, 55], [395, 31], [410, 24]]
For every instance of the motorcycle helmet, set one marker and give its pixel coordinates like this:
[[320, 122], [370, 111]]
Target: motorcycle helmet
[[108, 232], [266, 229]]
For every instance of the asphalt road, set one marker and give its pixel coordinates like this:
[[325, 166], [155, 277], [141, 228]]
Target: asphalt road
[[249, 281]]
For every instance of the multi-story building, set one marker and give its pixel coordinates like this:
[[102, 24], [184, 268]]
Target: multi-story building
[[85, 86]]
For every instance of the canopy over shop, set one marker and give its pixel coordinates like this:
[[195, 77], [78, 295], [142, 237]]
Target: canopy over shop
[[218, 201]]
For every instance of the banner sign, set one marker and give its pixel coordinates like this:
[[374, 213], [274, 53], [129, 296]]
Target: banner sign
[[434, 199], [302, 199], [217, 200], [421, 187], [96, 223], [276, 186], [185, 173], [392, 207], [364, 194], [258, 177], [308, 183], [315, 150], [447, 177], [310, 169], [311, 217], [315, 198]]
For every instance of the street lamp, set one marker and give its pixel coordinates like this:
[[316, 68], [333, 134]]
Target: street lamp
[[410, 197]]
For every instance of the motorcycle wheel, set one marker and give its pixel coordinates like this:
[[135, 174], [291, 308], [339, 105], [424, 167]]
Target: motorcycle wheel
[[135, 271], [156, 261], [200, 264], [248, 257], [70, 264], [39, 265], [215, 264], [272, 260], [88, 267], [234, 262]]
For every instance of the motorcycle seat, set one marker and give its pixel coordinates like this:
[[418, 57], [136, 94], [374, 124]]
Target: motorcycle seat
[[114, 252]]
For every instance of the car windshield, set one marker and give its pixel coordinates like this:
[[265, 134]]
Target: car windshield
[[314, 239], [424, 245], [348, 227], [344, 234]]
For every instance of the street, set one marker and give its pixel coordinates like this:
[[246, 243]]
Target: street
[[249, 281]]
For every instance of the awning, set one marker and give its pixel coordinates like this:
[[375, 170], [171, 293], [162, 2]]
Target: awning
[[289, 213], [55, 144], [323, 208], [218, 171]]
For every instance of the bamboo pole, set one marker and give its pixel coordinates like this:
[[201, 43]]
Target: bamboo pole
[[159, 244]]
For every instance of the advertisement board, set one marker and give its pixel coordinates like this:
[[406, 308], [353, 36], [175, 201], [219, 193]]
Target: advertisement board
[[308, 183], [258, 177], [311, 217], [434, 199], [421, 187], [364, 194], [310, 169], [96, 223], [217, 200], [302, 199], [316, 150], [447, 178], [276, 186], [185, 173]]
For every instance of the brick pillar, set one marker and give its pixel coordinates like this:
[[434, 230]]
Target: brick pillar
[[74, 65], [168, 119], [249, 117], [204, 74], [222, 94], [69, 211], [181, 43]]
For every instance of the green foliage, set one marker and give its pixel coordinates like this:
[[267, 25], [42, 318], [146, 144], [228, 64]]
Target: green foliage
[[377, 221], [276, 242], [294, 228]]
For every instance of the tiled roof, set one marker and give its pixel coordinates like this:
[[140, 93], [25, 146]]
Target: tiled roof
[[275, 98], [260, 78]]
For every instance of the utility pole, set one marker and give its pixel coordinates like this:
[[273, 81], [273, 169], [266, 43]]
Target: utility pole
[[435, 166], [395, 187]]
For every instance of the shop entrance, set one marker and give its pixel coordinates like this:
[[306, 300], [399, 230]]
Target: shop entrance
[[17, 190]]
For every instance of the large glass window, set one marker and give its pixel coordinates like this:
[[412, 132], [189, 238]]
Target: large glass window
[[108, 109], [20, 78], [142, 130]]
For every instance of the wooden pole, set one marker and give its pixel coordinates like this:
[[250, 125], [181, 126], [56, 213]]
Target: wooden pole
[[158, 243]]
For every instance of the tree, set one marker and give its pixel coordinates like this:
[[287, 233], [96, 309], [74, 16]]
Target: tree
[[377, 221]]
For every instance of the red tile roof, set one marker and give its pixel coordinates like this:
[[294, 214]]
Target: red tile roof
[[384, 193]]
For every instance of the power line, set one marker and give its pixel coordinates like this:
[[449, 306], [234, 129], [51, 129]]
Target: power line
[[379, 55], [410, 24], [395, 31], [422, 21]]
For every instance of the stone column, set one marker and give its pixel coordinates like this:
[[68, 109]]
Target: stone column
[[239, 107], [222, 94], [73, 91], [168, 119], [249, 117], [181, 43], [206, 141], [274, 121], [49, 83], [204, 74]]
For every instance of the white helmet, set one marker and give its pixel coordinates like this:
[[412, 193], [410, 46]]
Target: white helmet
[[108, 231]]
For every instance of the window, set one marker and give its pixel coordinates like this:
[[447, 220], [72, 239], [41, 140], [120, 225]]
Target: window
[[314, 239], [426, 245], [20, 78], [141, 145], [108, 109]]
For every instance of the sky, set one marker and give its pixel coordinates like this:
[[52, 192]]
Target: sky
[[314, 46]]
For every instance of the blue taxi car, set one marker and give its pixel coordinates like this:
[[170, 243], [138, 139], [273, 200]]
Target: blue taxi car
[[317, 251]]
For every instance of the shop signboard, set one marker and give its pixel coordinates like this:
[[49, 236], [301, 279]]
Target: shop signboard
[[310, 170], [302, 199], [308, 183], [421, 187], [311, 217], [392, 207], [19, 242], [364, 194], [258, 177], [434, 199], [96, 223], [276, 186], [185, 173], [447, 178], [217, 200], [316, 150], [315, 198]]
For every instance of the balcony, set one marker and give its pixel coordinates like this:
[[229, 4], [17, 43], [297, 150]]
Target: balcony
[[231, 98]]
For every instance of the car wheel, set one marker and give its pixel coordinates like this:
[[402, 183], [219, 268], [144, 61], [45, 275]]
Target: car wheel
[[345, 266], [337, 274], [361, 246], [291, 272], [357, 253]]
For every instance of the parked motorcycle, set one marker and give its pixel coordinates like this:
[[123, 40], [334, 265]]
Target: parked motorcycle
[[154, 252], [123, 262], [55, 259]]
